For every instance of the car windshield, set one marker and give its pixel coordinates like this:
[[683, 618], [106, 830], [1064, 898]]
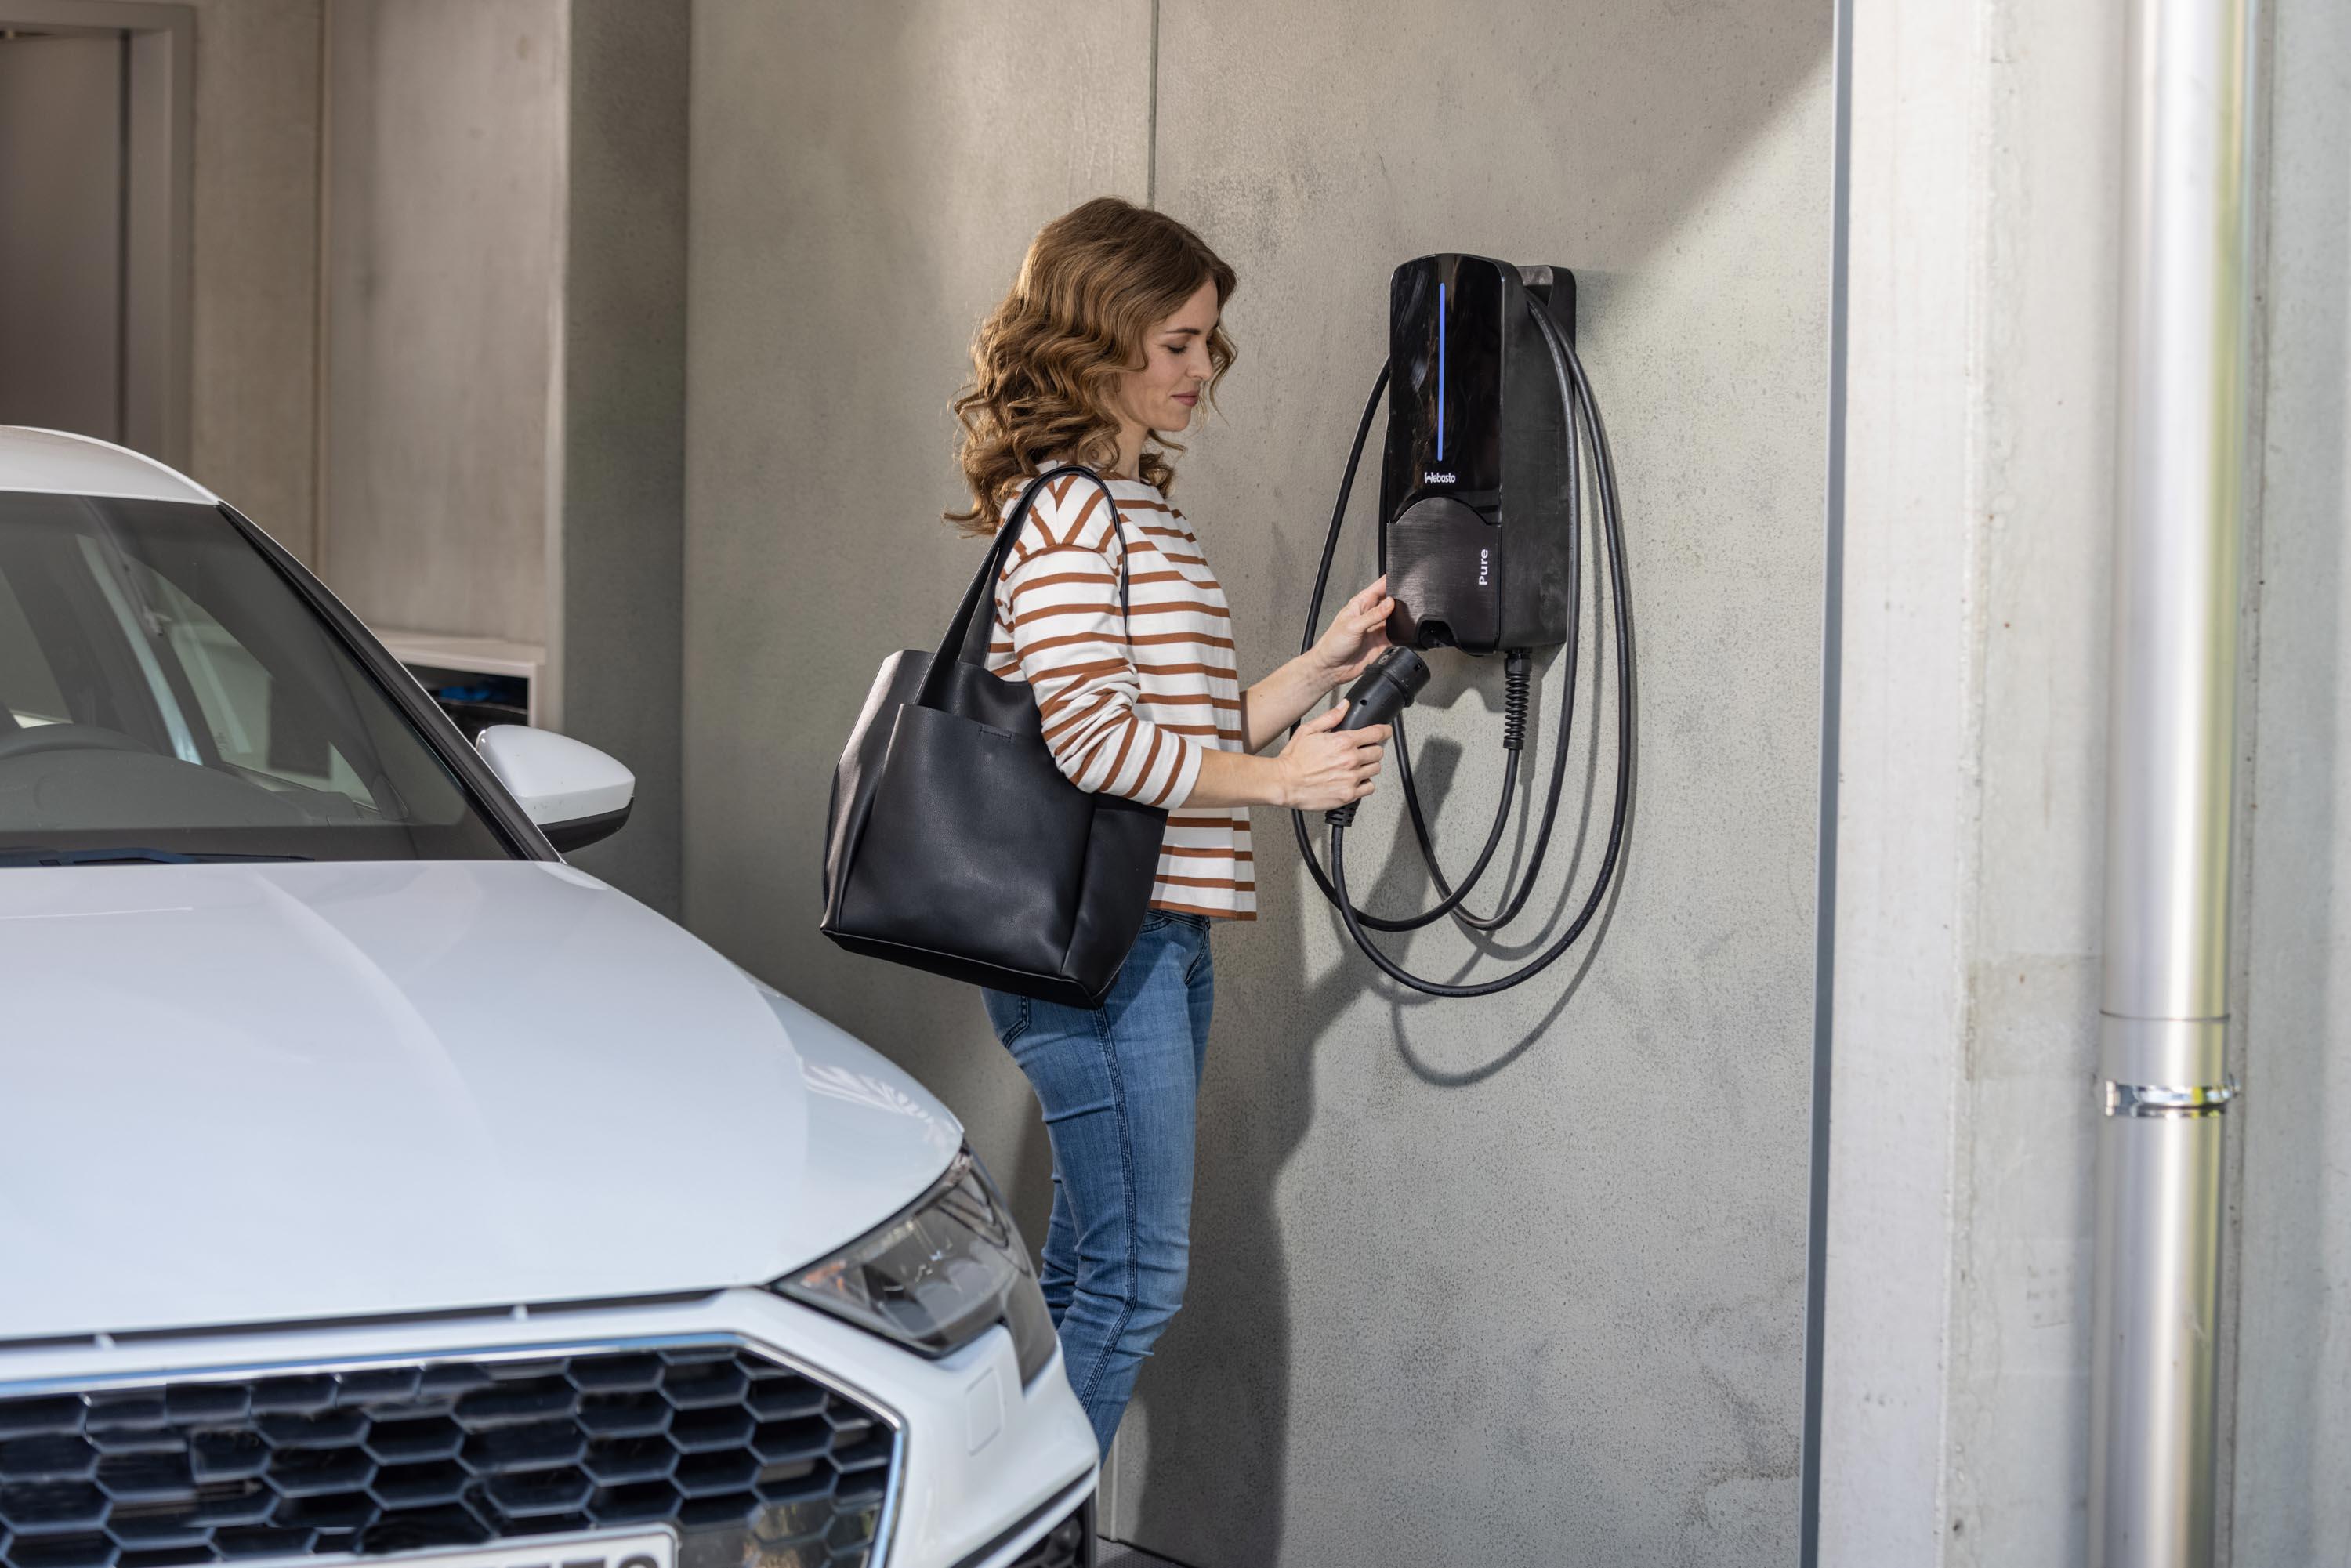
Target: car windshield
[[165, 694]]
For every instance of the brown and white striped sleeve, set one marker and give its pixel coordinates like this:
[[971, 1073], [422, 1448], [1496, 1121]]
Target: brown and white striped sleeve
[[1059, 599]]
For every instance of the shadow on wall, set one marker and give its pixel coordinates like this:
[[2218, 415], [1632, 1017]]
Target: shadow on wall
[[857, 207], [1240, 1286], [1350, 1383], [1310, 1374]]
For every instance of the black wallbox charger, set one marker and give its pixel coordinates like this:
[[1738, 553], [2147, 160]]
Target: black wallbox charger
[[1475, 483]]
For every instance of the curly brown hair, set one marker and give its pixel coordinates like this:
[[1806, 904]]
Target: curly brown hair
[[1046, 362]]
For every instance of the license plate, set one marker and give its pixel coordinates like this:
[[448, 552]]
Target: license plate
[[601, 1549]]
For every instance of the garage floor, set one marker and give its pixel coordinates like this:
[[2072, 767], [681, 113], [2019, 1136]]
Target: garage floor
[[1118, 1554]]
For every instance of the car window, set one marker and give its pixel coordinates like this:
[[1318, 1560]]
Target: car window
[[28, 688], [165, 694], [234, 691]]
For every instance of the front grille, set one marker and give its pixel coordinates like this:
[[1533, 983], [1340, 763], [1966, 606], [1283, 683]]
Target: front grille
[[750, 1461]]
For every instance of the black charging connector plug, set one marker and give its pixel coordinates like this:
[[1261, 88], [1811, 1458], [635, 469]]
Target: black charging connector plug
[[1385, 690]]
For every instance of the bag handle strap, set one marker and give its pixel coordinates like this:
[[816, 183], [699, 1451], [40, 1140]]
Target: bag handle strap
[[967, 633]]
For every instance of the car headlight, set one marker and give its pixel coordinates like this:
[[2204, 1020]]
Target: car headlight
[[939, 1275]]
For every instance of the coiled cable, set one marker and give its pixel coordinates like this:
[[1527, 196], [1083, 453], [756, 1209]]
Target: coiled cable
[[1584, 426]]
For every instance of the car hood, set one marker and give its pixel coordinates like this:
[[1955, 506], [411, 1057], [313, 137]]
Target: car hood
[[269, 1093]]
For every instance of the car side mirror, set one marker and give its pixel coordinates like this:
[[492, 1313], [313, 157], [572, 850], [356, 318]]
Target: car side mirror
[[574, 792]]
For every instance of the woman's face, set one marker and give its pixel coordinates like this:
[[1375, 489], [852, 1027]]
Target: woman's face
[[1164, 392]]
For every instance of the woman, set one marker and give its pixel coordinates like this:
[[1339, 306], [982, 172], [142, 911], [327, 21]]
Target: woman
[[1107, 344]]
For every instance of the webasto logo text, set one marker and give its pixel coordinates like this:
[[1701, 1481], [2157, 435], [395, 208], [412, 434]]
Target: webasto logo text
[[1436, 476]]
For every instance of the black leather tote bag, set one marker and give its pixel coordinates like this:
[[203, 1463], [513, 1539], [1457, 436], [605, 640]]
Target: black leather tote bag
[[955, 845]]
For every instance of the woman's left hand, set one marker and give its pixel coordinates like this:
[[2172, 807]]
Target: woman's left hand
[[1358, 635]]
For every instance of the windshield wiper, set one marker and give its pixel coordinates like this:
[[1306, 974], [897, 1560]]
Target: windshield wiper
[[122, 854]]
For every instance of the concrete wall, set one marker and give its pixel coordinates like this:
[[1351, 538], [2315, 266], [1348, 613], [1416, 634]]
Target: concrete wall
[[2292, 1281], [254, 256], [1979, 504], [445, 257], [61, 252], [1986, 214], [507, 401], [863, 184], [1441, 1294], [1524, 1273], [254, 260], [618, 534]]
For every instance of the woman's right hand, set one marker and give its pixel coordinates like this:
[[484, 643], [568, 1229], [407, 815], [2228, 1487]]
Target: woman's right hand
[[1323, 766]]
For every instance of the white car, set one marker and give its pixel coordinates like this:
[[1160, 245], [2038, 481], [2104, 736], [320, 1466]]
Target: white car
[[372, 1182]]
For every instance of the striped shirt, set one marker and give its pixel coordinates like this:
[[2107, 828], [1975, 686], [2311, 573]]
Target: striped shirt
[[1129, 707]]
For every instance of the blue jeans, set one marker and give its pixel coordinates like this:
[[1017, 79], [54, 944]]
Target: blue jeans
[[1118, 1087]]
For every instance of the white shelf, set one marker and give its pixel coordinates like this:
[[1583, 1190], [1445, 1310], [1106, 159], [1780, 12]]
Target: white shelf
[[473, 656]]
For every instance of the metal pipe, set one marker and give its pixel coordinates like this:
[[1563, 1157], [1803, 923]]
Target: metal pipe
[[2186, 294]]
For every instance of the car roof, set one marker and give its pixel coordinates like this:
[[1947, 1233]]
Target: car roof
[[60, 463]]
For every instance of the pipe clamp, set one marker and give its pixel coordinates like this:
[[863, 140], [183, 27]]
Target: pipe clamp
[[2161, 1100]]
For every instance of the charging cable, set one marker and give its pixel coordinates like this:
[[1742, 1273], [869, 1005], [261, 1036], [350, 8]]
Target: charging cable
[[1373, 700]]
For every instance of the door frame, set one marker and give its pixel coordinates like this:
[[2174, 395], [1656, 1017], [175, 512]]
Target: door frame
[[159, 156]]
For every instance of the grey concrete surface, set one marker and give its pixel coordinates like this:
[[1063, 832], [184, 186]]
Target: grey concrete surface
[[1118, 1554], [506, 404], [61, 251], [2039, 531], [254, 261], [1903, 855], [1522, 1278], [618, 535], [2293, 1396], [1523, 1271], [1986, 214], [1986, 211], [443, 272], [864, 182]]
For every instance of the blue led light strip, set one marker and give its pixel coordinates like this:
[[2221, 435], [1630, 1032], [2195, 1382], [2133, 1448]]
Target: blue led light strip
[[1440, 372]]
